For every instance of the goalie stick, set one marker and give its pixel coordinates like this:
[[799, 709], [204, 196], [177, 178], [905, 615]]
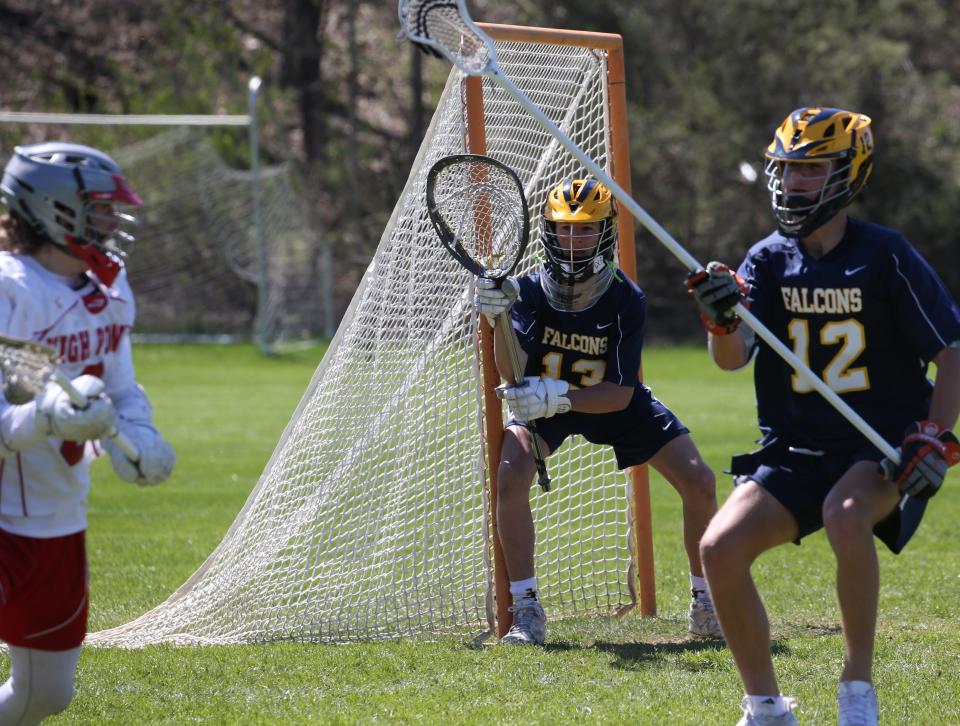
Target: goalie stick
[[445, 27], [28, 366], [479, 211]]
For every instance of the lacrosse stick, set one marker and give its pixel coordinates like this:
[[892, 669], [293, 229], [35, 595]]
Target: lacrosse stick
[[28, 366], [445, 27], [480, 213]]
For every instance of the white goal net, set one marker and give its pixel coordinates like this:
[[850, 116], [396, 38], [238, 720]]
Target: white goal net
[[371, 519]]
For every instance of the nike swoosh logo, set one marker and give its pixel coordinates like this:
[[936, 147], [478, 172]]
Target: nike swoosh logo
[[853, 271], [669, 424], [601, 327]]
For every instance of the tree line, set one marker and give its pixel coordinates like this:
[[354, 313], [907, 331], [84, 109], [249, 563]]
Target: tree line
[[707, 83]]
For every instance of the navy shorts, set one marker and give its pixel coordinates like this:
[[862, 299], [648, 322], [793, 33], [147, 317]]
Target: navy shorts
[[635, 433], [801, 482]]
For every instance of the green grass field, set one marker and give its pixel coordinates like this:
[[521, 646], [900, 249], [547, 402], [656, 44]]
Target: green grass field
[[224, 409]]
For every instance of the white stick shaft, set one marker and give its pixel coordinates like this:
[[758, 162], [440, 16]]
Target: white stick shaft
[[80, 401], [822, 388], [691, 263]]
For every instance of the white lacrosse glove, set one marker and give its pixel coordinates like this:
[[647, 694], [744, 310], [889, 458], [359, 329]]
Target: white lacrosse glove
[[536, 397], [57, 416], [156, 456], [492, 299]]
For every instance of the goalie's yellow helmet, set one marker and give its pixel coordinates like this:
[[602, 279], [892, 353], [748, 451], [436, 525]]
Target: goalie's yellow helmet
[[579, 200], [844, 139], [574, 279]]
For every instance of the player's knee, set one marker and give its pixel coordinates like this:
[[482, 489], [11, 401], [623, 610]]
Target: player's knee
[[513, 478], [844, 519], [697, 485], [721, 553]]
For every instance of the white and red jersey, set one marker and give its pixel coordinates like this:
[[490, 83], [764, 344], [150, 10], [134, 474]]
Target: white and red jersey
[[43, 487]]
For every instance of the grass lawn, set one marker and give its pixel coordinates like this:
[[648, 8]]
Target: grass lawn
[[224, 408]]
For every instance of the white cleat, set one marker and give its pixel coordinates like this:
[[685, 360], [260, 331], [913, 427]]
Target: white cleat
[[529, 623], [857, 704], [702, 620], [765, 714]]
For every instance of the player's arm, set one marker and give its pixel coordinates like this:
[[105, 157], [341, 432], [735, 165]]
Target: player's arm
[[135, 421], [501, 354], [732, 350], [717, 290], [604, 397], [945, 401], [27, 419]]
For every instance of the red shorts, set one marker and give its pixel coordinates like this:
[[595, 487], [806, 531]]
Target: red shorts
[[43, 591]]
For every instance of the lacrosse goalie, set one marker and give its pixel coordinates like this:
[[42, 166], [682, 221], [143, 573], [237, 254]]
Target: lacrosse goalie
[[62, 283], [579, 323], [857, 303]]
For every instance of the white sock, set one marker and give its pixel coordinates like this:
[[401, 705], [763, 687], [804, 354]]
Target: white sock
[[699, 584], [40, 684], [524, 588], [768, 705]]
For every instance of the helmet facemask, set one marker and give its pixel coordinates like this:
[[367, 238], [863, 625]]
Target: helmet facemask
[[798, 214], [578, 235], [838, 142], [75, 197]]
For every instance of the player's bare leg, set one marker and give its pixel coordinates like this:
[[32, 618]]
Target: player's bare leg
[[858, 501], [750, 522], [680, 464], [514, 519], [517, 537]]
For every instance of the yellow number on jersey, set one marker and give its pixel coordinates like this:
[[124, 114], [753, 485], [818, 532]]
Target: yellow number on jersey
[[838, 374], [591, 370]]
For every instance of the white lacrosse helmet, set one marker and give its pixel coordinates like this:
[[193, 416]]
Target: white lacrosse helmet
[[72, 196]]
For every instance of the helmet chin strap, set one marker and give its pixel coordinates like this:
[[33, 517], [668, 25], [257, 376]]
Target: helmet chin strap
[[105, 265]]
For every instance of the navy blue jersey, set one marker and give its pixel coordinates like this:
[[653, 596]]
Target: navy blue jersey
[[585, 348], [867, 317]]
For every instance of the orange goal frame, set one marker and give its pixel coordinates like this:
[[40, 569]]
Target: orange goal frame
[[642, 543]]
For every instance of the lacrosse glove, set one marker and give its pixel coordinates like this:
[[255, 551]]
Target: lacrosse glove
[[717, 290], [495, 297], [156, 456], [57, 416], [927, 451], [535, 397]]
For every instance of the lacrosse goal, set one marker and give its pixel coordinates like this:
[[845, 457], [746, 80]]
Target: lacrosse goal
[[373, 518]]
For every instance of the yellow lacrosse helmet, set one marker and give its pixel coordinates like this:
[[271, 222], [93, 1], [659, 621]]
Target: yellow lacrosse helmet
[[579, 200], [811, 135], [574, 279]]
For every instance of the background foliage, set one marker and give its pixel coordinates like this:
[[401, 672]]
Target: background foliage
[[707, 82]]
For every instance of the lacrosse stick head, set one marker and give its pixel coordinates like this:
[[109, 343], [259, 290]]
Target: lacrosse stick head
[[444, 27], [26, 368], [479, 211]]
